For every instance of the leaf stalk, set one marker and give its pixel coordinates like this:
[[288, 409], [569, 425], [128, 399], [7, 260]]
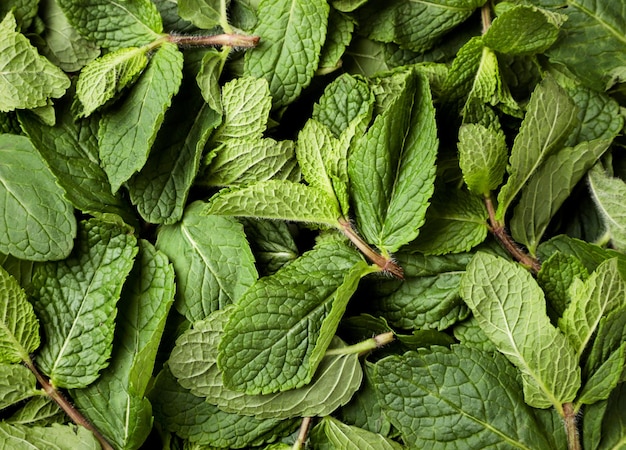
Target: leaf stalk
[[363, 347], [228, 40], [302, 434], [571, 427]]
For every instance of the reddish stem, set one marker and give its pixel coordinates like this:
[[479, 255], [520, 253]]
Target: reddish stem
[[571, 427]]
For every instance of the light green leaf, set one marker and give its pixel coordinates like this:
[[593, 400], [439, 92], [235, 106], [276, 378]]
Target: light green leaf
[[317, 151], [208, 77], [76, 300], [40, 411], [23, 10], [523, 30], [347, 5], [510, 308], [202, 13], [602, 293], [604, 379], [113, 24], [470, 334], [414, 25], [161, 188], [246, 161], [55, 437], [557, 177], [64, 46], [42, 225], [397, 157], [19, 329], [277, 199], [272, 244], [557, 274], [203, 424], [212, 269], [105, 77], [246, 104], [301, 306], [340, 435], [128, 132], [293, 32], [340, 29], [19, 269], [17, 383], [482, 157], [550, 117], [608, 194], [591, 255], [456, 221], [456, 398], [28, 79]]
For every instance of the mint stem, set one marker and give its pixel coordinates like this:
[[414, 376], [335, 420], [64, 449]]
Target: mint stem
[[485, 15], [365, 346], [386, 264], [66, 406], [499, 231], [228, 40], [571, 427], [302, 434]]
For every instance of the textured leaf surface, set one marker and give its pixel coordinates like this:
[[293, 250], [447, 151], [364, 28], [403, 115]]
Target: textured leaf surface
[[40, 411], [280, 329], [604, 379], [340, 29], [446, 398], [557, 274], [340, 435], [28, 80], [613, 433], [510, 308], [42, 225], [17, 383], [397, 157], [293, 33], [608, 194], [76, 300], [19, 329], [114, 24], [127, 133], [55, 437], [202, 13], [213, 269]]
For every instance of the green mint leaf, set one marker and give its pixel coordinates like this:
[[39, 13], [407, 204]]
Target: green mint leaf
[[613, 430], [292, 33], [161, 188], [247, 161], [19, 329], [272, 244], [105, 77], [456, 221], [28, 79], [212, 269], [445, 398], [416, 26], [306, 298], [550, 117], [208, 77], [17, 383], [604, 379], [64, 46], [42, 225], [19, 269], [558, 175], [277, 199], [510, 308], [193, 418], [590, 255], [597, 297], [112, 24], [246, 104], [54, 437], [127, 133], [23, 10], [557, 274], [40, 411], [470, 334], [439, 305], [335, 434], [483, 156], [610, 336], [523, 30], [205, 14], [70, 149], [608, 194], [397, 155], [340, 29], [76, 300]]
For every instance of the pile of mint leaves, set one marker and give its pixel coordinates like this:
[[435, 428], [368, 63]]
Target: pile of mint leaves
[[312, 224]]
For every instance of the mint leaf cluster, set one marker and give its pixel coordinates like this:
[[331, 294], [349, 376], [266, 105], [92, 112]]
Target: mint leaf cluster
[[293, 224]]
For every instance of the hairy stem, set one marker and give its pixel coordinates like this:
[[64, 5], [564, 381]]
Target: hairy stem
[[485, 15], [365, 346], [66, 406], [499, 231], [386, 264], [571, 427], [228, 40], [302, 434]]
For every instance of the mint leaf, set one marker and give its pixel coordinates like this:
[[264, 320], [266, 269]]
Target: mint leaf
[[127, 133], [397, 155], [28, 80], [277, 199], [202, 13], [340, 29], [272, 244], [208, 77], [305, 298], [23, 10], [54, 437], [550, 117], [105, 77], [292, 33], [557, 274], [17, 383], [607, 193], [604, 379], [339, 435], [42, 225], [76, 300], [445, 398], [112, 24], [212, 269], [19, 329], [510, 308], [40, 411], [611, 334], [613, 431]]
